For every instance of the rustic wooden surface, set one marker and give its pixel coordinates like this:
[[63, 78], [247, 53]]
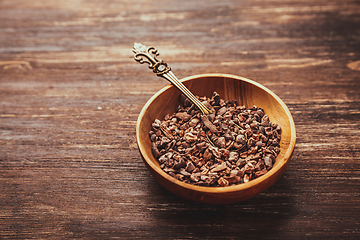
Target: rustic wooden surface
[[70, 95]]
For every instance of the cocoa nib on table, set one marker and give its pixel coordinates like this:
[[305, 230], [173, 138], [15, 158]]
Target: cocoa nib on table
[[232, 145]]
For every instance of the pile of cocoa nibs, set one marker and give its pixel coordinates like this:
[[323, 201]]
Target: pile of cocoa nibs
[[232, 145]]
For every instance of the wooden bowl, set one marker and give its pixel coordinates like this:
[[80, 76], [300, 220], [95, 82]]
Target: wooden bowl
[[246, 92]]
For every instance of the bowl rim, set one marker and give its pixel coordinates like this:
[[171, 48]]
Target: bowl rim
[[235, 188]]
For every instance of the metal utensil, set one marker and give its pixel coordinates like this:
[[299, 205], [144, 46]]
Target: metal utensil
[[149, 55]]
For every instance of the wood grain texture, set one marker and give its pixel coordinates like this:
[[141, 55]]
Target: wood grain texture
[[70, 95]]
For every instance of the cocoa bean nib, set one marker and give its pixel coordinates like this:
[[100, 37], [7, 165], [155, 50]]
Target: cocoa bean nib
[[230, 146]]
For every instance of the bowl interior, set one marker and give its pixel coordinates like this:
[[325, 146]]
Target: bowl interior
[[246, 92]]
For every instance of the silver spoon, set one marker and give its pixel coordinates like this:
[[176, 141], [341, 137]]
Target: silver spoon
[[163, 70]]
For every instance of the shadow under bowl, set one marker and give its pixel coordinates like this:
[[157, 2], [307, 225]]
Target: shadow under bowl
[[245, 92]]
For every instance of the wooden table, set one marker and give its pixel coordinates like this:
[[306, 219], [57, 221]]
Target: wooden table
[[71, 92]]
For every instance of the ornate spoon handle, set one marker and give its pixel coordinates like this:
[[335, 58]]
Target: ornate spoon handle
[[148, 55]]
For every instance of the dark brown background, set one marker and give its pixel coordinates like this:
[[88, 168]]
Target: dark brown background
[[70, 95]]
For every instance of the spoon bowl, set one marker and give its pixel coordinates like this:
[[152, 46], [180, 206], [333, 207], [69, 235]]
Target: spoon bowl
[[245, 92]]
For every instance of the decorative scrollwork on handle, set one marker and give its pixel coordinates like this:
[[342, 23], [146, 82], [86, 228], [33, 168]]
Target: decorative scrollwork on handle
[[149, 55]]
